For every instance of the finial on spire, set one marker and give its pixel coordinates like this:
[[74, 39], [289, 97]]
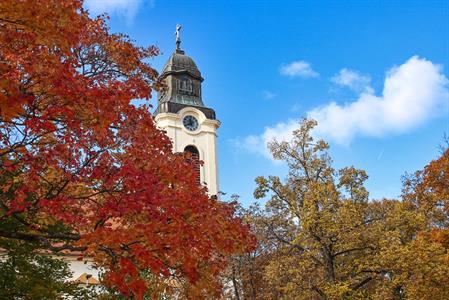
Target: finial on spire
[[178, 37]]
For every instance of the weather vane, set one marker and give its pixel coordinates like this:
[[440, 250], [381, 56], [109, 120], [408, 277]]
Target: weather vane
[[178, 36]]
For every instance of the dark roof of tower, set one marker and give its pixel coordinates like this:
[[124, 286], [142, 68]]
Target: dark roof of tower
[[174, 99], [181, 63]]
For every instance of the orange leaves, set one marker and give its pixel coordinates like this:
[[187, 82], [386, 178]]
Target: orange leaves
[[440, 236], [123, 279], [87, 167], [428, 190], [436, 178], [50, 22]]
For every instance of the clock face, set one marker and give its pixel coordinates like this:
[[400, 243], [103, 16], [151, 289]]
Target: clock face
[[190, 123]]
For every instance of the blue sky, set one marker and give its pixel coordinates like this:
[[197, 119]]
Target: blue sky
[[374, 73]]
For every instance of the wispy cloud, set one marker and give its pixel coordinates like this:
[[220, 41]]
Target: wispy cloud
[[298, 68], [267, 95], [296, 107], [352, 79], [381, 153], [413, 93], [126, 9]]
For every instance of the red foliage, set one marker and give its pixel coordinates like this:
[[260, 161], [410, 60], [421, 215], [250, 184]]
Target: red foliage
[[75, 151]]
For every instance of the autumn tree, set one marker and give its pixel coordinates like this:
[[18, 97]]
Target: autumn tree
[[245, 274], [332, 243], [427, 192], [82, 168], [317, 215]]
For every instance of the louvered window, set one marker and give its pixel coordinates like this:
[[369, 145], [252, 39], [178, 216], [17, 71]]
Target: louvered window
[[195, 157]]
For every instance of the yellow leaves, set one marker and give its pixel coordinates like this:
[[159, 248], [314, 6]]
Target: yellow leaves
[[352, 180], [420, 268], [330, 242], [340, 290]]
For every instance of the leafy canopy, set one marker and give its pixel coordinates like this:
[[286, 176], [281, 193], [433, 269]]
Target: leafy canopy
[[82, 169], [321, 238]]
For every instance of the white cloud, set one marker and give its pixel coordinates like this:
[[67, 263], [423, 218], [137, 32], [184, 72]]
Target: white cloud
[[126, 9], [267, 95], [353, 80], [298, 68], [413, 93], [280, 132]]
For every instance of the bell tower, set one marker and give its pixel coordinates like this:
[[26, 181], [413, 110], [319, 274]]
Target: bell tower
[[182, 114]]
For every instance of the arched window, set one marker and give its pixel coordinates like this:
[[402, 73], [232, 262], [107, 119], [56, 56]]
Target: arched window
[[186, 86], [195, 157]]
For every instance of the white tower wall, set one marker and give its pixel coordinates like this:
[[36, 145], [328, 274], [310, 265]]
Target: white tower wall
[[204, 139]]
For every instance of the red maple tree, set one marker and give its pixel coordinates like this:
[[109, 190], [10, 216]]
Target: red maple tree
[[82, 168]]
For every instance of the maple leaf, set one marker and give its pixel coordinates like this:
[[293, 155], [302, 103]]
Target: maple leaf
[[88, 169]]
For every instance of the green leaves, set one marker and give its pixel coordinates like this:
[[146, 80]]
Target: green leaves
[[27, 274]]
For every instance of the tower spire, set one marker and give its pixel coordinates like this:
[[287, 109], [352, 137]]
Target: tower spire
[[178, 37]]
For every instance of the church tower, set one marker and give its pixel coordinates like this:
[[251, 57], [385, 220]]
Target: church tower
[[182, 114]]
